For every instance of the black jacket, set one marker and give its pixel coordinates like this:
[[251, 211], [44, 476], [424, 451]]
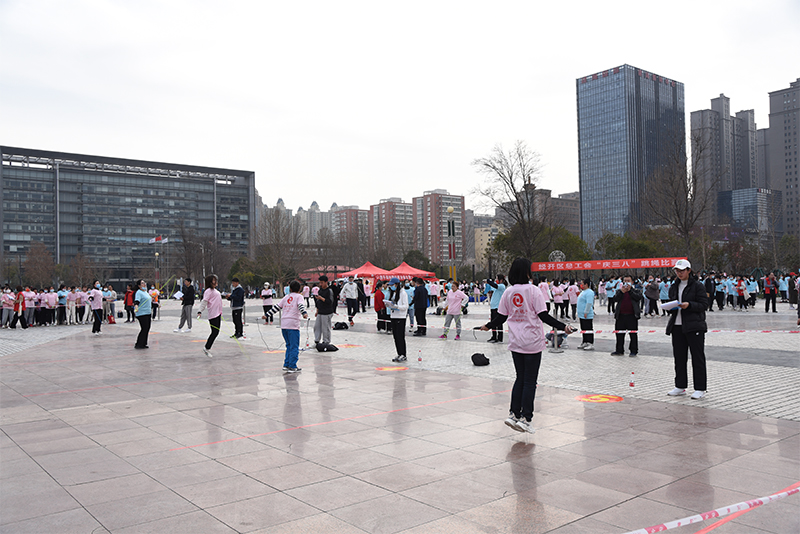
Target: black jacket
[[328, 305], [420, 299], [636, 300], [188, 295], [237, 297], [693, 318]]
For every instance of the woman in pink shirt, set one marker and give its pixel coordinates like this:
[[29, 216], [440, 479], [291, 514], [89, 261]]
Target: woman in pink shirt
[[523, 306], [572, 293], [213, 301], [455, 300]]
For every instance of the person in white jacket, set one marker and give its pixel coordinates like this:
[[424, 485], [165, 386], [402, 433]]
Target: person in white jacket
[[350, 293], [397, 304]]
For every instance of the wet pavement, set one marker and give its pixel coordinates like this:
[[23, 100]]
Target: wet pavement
[[97, 436]]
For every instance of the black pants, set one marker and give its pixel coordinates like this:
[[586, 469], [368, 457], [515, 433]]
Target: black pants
[[574, 311], [266, 312], [682, 343], [363, 302], [383, 320], [524, 390], [155, 310], [654, 307], [215, 323], [98, 320], [612, 305], [144, 330], [770, 297], [238, 329], [62, 314], [352, 308], [399, 334], [627, 322], [586, 324], [496, 334], [720, 300], [129, 310], [741, 301], [422, 321], [18, 316]]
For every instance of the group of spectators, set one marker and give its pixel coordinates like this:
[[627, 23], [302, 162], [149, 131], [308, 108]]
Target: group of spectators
[[49, 306]]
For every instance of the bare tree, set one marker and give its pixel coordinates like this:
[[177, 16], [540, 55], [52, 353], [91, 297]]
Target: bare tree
[[682, 195], [83, 271], [38, 266], [280, 250], [511, 189]]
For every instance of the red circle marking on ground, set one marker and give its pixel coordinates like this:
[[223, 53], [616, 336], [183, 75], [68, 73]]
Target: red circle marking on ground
[[391, 368], [598, 398]]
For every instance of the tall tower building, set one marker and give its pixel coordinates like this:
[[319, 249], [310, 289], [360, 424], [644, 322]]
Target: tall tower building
[[431, 220], [627, 118], [729, 145], [784, 118]]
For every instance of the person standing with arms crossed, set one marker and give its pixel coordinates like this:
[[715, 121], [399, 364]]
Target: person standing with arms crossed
[[141, 303], [213, 301], [626, 315], [325, 306], [237, 308], [687, 326], [498, 287], [420, 303]]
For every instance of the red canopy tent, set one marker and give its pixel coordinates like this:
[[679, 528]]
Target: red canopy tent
[[366, 271], [313, 274], [405, 272]]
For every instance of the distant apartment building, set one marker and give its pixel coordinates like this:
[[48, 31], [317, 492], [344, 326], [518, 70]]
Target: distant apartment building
[[724, 150], [782, 162], [312, 221], [439, 234], [391, 226], [350, 224], [627, 118]]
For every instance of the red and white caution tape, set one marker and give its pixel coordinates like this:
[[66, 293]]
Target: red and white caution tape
[[719, 512]]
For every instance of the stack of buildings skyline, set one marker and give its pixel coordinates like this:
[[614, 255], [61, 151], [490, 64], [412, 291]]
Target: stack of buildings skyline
[[628, 121]]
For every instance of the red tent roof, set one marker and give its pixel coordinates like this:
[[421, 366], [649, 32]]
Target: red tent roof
[[368, 270], [404, 272]]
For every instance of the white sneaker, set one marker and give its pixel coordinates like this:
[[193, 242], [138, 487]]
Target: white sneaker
[[524, 426], [205, 351], [698, 394], [677, 391], [582, 346], [187, 330], [511, 421], [588, 346], [177, 330]]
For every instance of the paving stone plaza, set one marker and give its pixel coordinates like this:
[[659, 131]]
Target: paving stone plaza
[[99, 437]]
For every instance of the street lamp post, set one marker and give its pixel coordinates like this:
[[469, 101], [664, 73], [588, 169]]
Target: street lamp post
[[157, 273], [451, 243]]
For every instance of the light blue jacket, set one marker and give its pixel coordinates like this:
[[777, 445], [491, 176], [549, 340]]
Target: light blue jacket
[[144, 302]]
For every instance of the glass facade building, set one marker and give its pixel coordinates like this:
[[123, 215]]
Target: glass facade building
[[108, 209], [753, 210], [627, 118]]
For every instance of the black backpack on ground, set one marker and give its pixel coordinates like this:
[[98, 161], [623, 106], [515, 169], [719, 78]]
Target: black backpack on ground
[[341, 325], [480, 359], [326, 347]]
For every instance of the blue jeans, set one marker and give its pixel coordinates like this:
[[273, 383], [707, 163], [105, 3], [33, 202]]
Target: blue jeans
[[292, 340]]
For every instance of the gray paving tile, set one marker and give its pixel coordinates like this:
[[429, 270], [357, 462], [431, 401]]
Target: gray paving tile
[[136, 510]]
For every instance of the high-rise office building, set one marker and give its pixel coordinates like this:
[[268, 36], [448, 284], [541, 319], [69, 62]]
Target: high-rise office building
[[627, 119], [752, 209], [784, 118], [108, 209], [440, 233]]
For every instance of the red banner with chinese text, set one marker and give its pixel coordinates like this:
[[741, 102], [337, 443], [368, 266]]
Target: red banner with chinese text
[[639, 263]]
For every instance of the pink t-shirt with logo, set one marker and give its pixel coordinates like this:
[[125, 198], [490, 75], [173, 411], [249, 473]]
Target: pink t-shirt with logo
[[572, 292], [455, 300], [522, 304], [292, 309]]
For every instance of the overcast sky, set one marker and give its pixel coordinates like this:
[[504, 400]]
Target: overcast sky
[[351, 102]]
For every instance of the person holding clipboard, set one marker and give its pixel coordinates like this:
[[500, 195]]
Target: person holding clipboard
[[687, 326]]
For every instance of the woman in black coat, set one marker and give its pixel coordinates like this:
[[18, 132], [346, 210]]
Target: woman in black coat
[[687, 326]]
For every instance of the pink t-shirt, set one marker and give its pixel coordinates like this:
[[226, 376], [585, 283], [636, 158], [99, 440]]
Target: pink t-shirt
[[72, 296], [214, 302], [30, 296], [558, 294], [306, 290], [8, 301], [52, 300], [292, 309], [545, 289], [523, 303], [573, 291], [455, 300], [83, 298], [97, 299]]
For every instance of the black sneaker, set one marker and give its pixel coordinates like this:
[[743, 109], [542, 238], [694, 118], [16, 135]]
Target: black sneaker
[[399, 359], [634, 354], [618, 353], [294, 370]]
